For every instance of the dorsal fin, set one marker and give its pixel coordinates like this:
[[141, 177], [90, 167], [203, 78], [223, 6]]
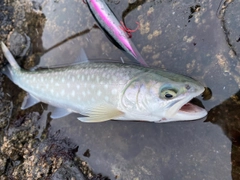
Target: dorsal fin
[[9, 56]]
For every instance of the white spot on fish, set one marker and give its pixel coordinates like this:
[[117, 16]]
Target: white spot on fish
[[73, 79], [99, 93], [92, 86], [62, 92], [68, 85], [52, 91], [114, 91], [97, 78], [83, 93], [63, 80], [73, 93], [106, 98], [83, 78], [56, 84], [88, 77], [78, 87], [92, 99], [51, 80], [105, 86]]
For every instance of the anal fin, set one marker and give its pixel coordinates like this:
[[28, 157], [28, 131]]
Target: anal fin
[[59, 112]]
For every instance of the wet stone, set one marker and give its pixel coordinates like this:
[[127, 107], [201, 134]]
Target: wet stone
[[231, 25], [87, 153], [5, 113], [182, 36], [27, 152], [3, 162], [6, 23], [19, 43], [6, 15], [53, 157], [68, 171]]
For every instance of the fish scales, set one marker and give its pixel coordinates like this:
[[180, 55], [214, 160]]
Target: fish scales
[[80, 85]]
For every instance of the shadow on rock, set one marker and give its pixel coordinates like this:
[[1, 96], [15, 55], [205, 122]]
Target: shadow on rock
[[227, 116]]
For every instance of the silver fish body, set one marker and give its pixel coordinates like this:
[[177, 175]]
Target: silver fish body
[[104, 91], [113, 29]]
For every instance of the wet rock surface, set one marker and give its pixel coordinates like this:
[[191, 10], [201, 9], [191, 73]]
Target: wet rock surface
[[229, 121], [230, 19], [27, 150], [23, 156], [196, 38]]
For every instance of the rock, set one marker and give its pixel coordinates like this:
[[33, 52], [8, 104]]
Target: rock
[[3, 163]]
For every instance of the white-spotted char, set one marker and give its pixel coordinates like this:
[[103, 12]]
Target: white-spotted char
[[104, 91]]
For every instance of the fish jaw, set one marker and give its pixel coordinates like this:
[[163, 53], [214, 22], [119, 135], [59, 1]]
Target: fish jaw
[[190, 111], [186, 112]]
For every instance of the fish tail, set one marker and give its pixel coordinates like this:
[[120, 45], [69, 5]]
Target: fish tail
[[9, 56]]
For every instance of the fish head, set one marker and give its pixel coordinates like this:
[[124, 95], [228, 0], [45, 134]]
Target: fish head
[[166, 98], [174, 93]]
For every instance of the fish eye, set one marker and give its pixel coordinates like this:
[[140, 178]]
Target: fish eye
[[168, 93], [168, 96], [187, 86]]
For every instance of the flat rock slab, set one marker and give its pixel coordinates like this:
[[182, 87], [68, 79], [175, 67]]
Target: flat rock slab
[[196, 38]]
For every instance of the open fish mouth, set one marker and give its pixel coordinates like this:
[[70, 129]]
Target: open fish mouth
[[184, 110], [189, 111], [192, 111]]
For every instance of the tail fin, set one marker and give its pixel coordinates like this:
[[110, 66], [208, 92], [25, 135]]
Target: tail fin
[[9, 56]]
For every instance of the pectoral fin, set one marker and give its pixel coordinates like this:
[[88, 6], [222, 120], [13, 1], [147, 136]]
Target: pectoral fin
[[101, 113], [29, 101]]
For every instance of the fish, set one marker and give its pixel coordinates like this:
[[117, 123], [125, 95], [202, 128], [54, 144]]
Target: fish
[[113, 29], [108, 91]]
